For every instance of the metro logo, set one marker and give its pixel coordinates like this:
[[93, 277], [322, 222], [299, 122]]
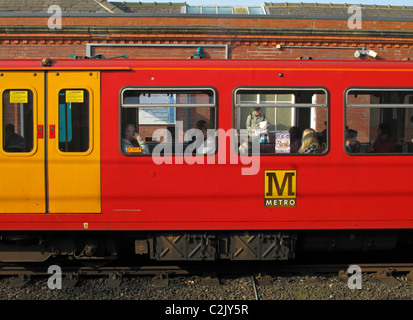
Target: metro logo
[[280, 188]]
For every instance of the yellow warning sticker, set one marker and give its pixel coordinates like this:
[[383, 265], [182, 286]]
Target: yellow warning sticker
[[75, 96], [19, 97], [135, 149]]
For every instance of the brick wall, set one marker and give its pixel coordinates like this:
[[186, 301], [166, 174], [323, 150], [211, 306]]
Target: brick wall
[[14, 49], [249, 38]]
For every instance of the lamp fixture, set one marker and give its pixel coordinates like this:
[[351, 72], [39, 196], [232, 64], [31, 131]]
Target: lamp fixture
[[364, 52]]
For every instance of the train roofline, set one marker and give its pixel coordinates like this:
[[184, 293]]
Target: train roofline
[[128, 64]]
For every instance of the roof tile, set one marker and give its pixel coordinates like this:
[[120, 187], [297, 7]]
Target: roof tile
[[143, 8]]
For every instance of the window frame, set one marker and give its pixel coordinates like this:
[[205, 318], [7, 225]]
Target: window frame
[[90, 121], [34, 124], [261, 89], [372, 106], [157, 89], [199, 9]]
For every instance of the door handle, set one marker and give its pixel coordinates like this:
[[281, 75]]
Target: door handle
[[52, 131], [40, 132]]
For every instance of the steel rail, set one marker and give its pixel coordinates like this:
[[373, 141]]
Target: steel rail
[[193, 270]]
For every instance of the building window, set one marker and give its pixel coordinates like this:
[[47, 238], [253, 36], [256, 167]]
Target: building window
[[164, 120], [255, 10], [379, 121], [209, 10], [281, 121], [252, 10], [17, 120], [74, 120], [193, 9], [224, 10]]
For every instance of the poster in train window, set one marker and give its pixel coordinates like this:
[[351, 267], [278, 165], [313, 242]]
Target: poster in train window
[[157, 115], [282, 144]]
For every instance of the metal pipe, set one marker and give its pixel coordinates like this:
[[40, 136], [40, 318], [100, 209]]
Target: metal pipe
[[315, 47], [90, 45]]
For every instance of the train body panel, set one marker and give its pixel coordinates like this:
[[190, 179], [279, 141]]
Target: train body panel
[[334, 191], [23, 182], [118, 191]]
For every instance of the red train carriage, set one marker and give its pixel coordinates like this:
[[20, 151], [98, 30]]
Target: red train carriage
[[174, 159]]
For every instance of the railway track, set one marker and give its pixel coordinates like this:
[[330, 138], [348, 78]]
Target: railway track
[[158, 287], [71, 275]]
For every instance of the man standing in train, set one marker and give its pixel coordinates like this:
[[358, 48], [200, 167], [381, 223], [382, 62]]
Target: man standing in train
[[257, 124]]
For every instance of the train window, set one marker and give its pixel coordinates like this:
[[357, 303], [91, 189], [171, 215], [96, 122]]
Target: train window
[[281, 120], [379, 121], [73, 120], [162, 120], [17, 120]]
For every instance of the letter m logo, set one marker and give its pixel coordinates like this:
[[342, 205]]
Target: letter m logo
[[281, 186]]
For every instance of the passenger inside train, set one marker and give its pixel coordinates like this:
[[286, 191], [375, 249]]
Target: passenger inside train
[[132, 141], [385, 142], [287, 113], [13, 142], [172, 117], [352, 145], [208, 144], [309, 142], [383, 119]]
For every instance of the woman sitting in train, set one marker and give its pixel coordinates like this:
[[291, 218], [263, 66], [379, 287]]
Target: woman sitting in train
[[309, 142], [385, 142]]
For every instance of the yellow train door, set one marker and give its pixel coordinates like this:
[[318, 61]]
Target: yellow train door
[[22, 151], [73, 144]]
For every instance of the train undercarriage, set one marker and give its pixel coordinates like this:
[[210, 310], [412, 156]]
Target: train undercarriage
[[103, 247]]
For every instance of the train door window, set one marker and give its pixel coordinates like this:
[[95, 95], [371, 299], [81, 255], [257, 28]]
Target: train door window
[[151, 116], [281, 120], [74, 121], [379, 121], [17, 120]]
